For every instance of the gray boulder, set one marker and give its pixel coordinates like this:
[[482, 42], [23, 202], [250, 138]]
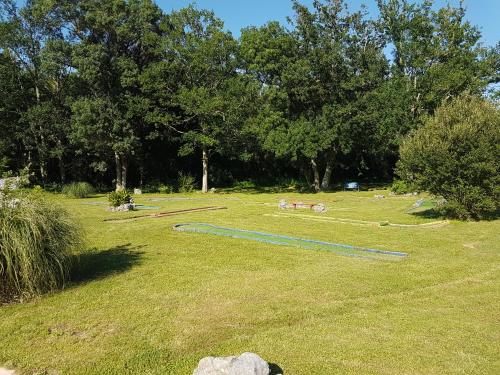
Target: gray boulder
[[245, 364]]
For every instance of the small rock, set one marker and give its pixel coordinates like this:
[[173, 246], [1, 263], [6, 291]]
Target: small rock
[[122, 208], [379, 196], [282, 204], [418, 203], [245, 364], [4, 371], [137, 191], [320, 207]]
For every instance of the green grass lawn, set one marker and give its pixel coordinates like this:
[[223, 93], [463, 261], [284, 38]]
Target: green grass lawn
[[149, 300]]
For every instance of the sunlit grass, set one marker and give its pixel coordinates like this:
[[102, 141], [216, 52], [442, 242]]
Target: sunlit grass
[[148, 299]]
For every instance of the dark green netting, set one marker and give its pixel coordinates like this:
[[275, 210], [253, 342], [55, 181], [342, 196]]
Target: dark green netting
[[276, 239]]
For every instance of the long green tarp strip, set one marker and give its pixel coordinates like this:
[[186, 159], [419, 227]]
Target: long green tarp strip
[[277, 239]]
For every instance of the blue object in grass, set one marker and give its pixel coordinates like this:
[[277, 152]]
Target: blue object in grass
[[351, 186]]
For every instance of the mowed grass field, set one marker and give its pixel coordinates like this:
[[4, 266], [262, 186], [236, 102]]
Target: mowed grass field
[[149, 300]]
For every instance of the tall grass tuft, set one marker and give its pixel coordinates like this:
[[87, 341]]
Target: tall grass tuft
[[37, 240], [78, 190]]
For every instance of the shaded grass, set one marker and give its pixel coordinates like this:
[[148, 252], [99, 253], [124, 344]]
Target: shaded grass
[[188, 296], [94, 264]]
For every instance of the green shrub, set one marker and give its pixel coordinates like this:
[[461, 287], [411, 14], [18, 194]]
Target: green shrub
[[37, 239], [166, 189], [185, 183], [244, 185], [291, 184], [78, 190], [11, 181], [402, 187], [117, 198], [455, 155], [53, 187], [159, 187], [151, 187]]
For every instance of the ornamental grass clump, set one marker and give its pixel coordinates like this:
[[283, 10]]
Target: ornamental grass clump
[[78, 190], [37, 240]]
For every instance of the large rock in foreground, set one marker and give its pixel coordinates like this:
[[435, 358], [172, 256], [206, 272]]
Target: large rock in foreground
[[245, 364]]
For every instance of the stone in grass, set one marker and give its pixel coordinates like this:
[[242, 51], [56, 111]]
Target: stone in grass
[[4, 371], [245, 364], [123, 207], [320, 207], [418, 203]]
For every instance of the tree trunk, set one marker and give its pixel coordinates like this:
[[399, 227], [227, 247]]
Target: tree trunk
[[124, 172], [306, 172], [118, 162], [62, 170], [41, 148], [204, 159], [325, 184], [43, 171], [141, 174], [316, 183]]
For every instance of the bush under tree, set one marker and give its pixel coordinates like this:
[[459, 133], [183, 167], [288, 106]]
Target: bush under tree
[[78, 190], [37, 240], [118, 198], [185, 183], [456, 155]]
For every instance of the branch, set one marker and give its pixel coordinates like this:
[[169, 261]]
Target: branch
[[175, 129]]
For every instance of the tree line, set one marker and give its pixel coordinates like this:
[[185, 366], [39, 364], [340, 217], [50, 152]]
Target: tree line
[[121, 91]]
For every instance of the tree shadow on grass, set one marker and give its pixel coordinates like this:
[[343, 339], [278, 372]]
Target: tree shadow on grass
[[97, 264], [430, 213], [274, 369]]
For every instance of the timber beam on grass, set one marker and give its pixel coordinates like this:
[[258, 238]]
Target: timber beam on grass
[[169, 213], [329, 219]]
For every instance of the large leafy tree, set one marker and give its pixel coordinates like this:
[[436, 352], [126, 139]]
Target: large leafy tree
[[29, 35], [116, 41], [212, 95], [86, 84], [436, 53], [331, 60], [12, 105]]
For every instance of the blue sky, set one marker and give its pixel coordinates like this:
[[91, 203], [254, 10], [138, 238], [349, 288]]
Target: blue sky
[[237, 14]]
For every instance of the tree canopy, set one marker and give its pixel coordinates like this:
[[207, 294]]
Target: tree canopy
[[120, 92]]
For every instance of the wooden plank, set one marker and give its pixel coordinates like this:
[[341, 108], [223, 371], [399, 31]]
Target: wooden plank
[[169, 213]]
